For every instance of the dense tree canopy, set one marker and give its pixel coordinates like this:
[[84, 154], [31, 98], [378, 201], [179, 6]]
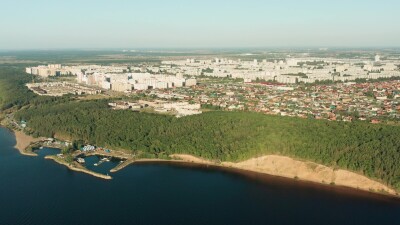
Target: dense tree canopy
[[12, 89]]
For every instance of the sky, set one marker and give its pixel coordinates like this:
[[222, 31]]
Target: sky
[[100, 24]]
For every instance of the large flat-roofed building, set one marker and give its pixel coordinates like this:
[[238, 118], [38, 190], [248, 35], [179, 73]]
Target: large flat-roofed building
[[141, 86], [190, 82], [46, 71], [106, 85], [117, 86]]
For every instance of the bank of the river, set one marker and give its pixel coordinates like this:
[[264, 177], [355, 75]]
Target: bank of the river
[[178, 191], [23, 141], [283, 166], [275, 165], [286, 167]]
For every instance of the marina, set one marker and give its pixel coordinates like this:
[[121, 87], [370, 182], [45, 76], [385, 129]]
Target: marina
[[100, 165]]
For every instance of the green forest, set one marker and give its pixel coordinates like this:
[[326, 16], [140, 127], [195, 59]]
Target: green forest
[[12, 88], [373, 150], [14, 94]]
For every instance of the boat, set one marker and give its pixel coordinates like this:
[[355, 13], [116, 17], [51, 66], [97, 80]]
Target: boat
[[81, 160], [41, 147], [95, 164]]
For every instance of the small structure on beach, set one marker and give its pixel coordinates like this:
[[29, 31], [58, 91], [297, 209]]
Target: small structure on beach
[[23, 123], [88, 148]]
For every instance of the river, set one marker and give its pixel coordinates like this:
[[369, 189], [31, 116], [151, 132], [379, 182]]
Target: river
[[34, 190]]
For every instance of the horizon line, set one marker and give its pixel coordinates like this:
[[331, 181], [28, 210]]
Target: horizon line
[[197, 48]]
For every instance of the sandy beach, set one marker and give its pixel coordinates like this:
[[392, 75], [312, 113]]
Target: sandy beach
[[23, 141], [283, 166]]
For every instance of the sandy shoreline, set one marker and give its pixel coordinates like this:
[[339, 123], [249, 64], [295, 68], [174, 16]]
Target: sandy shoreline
[[23, 141], [287, 167]]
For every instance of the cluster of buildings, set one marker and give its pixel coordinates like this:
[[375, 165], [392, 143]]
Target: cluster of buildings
[[179, 109], [183, 87], [61, 88], [126, 82], [88, 148], [117, 78], [47, 71], [341, 101], [179, 73], [346, 102], [289, 71]]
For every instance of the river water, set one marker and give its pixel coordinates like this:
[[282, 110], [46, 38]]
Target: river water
[[38, 191]]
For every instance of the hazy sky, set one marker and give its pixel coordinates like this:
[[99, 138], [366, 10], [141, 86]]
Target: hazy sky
[[46, 24]]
